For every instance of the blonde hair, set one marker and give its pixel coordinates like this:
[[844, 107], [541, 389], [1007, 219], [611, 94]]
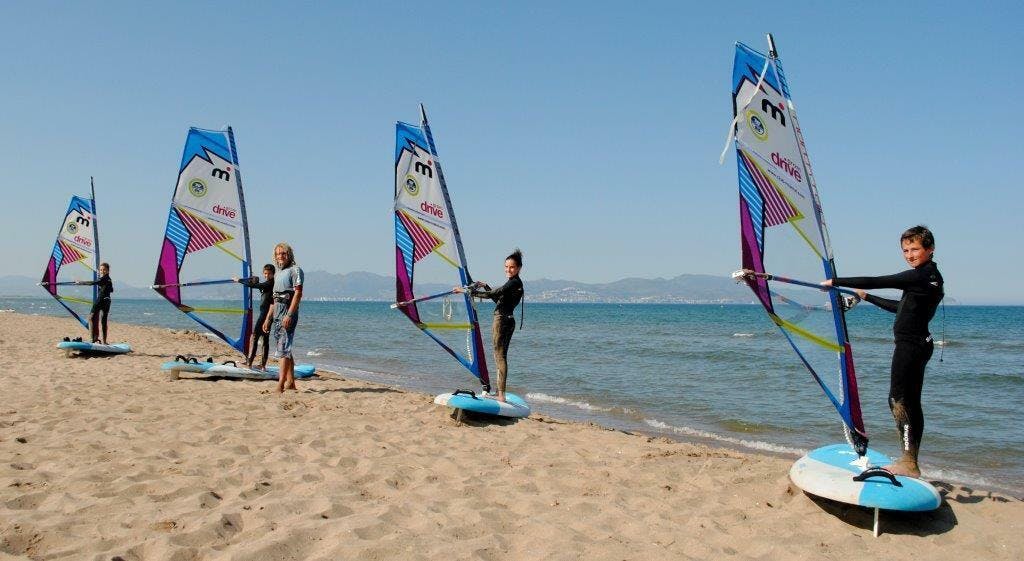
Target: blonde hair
[[288, 249]]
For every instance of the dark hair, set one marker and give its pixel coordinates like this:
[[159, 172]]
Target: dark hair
[[269, 267], [920, 234], [516, 256], [105, 264]]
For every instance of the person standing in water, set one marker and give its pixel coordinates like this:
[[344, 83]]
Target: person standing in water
[[101, 307], [287, 295], [266, 288], [506, 298], [922, 292]]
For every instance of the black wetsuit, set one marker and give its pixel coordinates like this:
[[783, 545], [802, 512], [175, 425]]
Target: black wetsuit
[[922, 292], [266, 289], [101, 307], [506, 298]]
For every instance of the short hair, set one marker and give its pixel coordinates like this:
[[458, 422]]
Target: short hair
[[105, 264], [269, 268], [920, 234], [516, 256], [288, 249]]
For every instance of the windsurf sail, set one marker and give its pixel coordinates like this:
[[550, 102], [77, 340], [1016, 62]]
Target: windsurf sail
[[206, 241], [429, 258], [782, 231], [75, 257]]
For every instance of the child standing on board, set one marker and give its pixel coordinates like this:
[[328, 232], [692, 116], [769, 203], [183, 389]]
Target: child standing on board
[[287, 295], [506, 298], [101, 307], [266, 288], [922, 292]]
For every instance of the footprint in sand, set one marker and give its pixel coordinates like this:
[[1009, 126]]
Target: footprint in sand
[[209, 499]]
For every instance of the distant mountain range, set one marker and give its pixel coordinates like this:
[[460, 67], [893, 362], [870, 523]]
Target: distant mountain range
[[362, 286]]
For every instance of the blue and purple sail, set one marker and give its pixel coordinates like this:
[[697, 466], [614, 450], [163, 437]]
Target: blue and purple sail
[[206, 241], [782, 232], [429, 258], [75, 254]]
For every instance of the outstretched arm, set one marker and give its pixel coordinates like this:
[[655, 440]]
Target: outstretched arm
[[884, 303]]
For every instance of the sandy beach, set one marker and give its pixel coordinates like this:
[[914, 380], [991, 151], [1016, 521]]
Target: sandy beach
[[108, 459]]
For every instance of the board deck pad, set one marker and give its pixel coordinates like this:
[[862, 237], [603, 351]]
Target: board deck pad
[[94, 348], [828, 472], [230, 371], [514, 405]]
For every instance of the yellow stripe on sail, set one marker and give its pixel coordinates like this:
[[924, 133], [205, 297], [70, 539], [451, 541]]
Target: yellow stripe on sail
[[806, 334], [73, 299], [445, 325]]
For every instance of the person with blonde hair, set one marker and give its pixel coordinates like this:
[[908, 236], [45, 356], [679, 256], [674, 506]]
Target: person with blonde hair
[[287, 295]]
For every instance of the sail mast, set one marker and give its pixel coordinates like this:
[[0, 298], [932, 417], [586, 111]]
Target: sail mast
[[247, 262], [467, 279], [96, 240]]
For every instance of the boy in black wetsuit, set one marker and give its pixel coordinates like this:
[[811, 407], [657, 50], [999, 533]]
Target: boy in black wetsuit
[[922, 292], [266, 289], [101, 307]]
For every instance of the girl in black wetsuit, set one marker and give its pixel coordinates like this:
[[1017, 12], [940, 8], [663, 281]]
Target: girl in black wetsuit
[[506, 298], [922, 292], [101, 307]]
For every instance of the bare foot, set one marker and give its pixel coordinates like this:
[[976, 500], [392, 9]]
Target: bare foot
[[904, 466], [501, 397]]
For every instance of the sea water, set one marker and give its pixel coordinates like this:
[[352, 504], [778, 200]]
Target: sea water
[[720, 374]]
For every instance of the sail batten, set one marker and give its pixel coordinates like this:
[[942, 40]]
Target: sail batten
[[428, 250], [782, 230], [206, 241]]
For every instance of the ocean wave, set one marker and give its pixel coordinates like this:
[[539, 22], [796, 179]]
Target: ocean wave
[[752, 444], [314, 352], [563, 401], [742, 334], [147, 313]]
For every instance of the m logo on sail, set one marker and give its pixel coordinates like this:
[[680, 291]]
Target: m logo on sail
[[776, 112], [221, 174], [424, 169]]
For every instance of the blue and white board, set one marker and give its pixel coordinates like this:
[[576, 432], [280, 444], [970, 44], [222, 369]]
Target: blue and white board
[[72, 347], [231, 371], [828, 472], [513, 406]]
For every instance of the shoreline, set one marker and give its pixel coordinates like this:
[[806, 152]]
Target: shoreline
[[108, 458]]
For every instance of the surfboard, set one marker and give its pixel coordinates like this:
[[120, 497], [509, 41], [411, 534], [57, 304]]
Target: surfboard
[[829, 471], [514, 406], [233, 371], [73, 347]]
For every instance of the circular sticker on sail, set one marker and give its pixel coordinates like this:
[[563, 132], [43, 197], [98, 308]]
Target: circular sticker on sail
[[72, 228], [411, 186], [197, 187], [756, 125]]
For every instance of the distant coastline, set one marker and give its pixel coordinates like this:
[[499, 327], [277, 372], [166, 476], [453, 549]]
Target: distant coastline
[[371, 287]]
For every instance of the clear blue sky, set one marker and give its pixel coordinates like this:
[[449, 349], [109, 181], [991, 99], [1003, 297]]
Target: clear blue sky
[[585, 133]]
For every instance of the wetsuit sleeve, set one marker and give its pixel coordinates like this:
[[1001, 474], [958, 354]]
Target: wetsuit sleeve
[[251, 282], [901, 281], [265, 285], [884, 303], [497, 292]]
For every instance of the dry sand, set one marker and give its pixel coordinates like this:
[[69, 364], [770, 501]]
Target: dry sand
[[107, 459]]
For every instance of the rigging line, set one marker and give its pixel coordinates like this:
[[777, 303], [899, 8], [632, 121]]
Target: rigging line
[[736, 119]]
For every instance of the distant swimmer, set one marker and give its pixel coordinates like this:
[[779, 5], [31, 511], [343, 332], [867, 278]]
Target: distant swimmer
[[101, 307], [287, 295], [266, 288], [922, 292], [506, 298]]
